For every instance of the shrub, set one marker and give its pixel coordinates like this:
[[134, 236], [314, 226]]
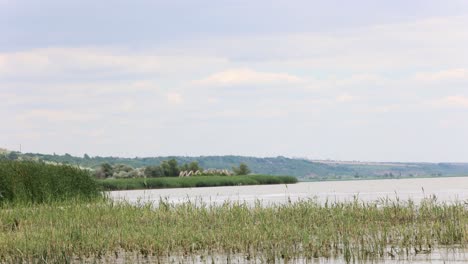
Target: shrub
[[243, 169], [27, 181], [153, 172], [170, 168]]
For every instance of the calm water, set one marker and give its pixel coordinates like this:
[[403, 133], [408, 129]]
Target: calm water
[[439, 257], [446, 189]]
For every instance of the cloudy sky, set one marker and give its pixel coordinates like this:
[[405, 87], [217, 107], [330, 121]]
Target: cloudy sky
[[350, 80]]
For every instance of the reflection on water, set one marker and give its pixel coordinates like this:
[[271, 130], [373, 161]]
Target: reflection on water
[[445, 256], [446, 189]]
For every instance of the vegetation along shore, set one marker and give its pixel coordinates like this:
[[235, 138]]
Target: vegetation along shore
[[61, 232], [57, 214], [36, 182], [40, 181], [303, 169], [191, 182]]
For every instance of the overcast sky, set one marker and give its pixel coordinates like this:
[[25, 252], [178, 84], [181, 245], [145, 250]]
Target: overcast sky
[[348, 80]]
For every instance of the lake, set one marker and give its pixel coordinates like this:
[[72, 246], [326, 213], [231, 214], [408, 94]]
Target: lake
[[446, 189]]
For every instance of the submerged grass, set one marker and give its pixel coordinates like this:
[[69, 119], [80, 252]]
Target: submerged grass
[[190, 182], [354, 231], [36, 182]]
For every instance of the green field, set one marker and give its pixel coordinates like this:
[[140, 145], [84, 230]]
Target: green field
[[191, 182]]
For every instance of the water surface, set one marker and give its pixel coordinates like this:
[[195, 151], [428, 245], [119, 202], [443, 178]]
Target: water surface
[[446, 189]]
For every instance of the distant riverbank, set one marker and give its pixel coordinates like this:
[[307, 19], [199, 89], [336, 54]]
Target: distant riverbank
[[381, 178], [192, 182]]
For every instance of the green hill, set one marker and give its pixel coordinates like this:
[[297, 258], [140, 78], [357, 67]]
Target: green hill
[[301, 168]]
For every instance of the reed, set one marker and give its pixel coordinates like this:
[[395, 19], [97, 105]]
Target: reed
[[36, 182], [191, 182], [61, 232]]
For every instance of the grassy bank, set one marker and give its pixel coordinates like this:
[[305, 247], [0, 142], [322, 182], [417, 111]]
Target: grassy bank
[[353, 231], [189, 182], [34, 182]]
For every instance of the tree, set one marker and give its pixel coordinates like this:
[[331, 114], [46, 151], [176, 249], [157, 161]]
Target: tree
[[13, 155], [104, 171], [122, 167], [170, 168], [243, 169], [136, 173], [153, 171], [121, 174], [184, 167], [192, 166]]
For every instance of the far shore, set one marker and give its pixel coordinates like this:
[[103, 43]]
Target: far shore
[[382, 178], [192, 182]]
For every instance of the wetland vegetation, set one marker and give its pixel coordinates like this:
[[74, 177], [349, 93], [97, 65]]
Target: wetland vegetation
[[61, 232], [36, 182], [56, 214], [191, 182]]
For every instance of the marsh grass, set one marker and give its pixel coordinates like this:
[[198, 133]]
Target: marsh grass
[[34, 182], [190, 182], [355, 231]]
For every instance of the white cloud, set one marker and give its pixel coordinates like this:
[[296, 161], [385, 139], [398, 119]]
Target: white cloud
[[346, 98], [362, 78], [454, 101], [174, 98], [407, 46], [393, 71], [445, 75], [94, 62], [101, 96], [57, 116], [391, 108], [245, 76], [128, 106]]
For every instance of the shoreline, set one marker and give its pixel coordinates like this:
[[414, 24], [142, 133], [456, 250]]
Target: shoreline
[[192, 182]]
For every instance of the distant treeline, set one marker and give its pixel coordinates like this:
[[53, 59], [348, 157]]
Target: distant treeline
[[301, 168], [167, 168]]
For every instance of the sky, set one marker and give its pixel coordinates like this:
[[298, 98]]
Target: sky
[[367, 80]]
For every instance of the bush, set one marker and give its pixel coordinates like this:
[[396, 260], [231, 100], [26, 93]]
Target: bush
[[153, 172], [243, 169], [170, 168], [192, 166], [27, 181]]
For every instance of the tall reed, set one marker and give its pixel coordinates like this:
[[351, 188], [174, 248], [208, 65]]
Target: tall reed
[[353, 231], [190, 182], [35, 182]]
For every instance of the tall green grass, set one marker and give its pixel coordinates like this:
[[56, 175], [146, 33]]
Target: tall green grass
[[35, 182], [189, 182], [353, 231]]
